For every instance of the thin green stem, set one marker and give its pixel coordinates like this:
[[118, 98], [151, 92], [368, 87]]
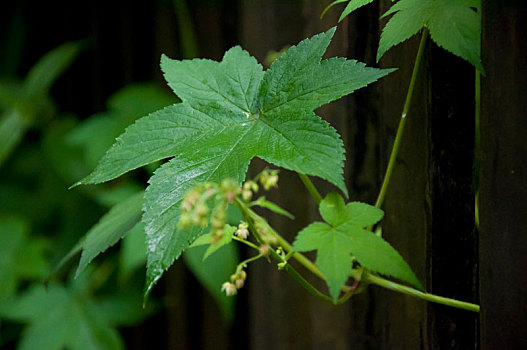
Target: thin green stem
[[286, 245], [477, 96], [402, 122], [246, 242], [370, 278], [301, 280], [246, 214], [245, 262], [349, 291], [311, 188]]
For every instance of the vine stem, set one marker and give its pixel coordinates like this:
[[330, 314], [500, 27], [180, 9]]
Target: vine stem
[[368, 277], [247, 261], [311, 188], [246, 242], [402, 122]]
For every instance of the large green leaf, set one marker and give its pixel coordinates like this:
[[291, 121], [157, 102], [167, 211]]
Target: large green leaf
[[343, 235], [453, 25], [231, 112], [96, 134]]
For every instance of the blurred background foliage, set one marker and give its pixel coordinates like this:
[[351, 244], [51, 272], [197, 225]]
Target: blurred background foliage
[[72, 78]]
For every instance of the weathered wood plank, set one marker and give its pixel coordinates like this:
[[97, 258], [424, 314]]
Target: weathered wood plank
[[503, 190]]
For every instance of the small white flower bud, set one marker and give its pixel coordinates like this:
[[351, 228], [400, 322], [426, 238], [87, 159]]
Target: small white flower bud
[[239, 283], [229, 289], [242, 233]]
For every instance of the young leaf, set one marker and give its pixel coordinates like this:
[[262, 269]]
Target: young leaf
[[410, 17], [352, 6], [262, 202], [343, 235], [453, 25], [233, 111], [206, 239], [457, 28], [110, 229]]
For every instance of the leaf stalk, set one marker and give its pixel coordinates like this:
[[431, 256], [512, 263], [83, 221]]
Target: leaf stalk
[[402, 121], [396, 287], [311, 188]]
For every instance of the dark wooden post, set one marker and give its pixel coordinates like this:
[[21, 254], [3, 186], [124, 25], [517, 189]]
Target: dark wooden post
[[503, 191], [429, 206]]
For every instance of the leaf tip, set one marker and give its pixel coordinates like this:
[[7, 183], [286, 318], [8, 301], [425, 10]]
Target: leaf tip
[[331, 31], [78, 183]]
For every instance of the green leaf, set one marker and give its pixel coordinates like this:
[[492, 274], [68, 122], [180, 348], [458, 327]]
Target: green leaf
[[457, 28], [333, 253], [96, 134], [343, 235], [262, 202], [137, 100], [150, 139], [233, 111], [231, 85], [453, 25], [168, 185], [352, 6], [213, 272], [410, 17], [300, 81], [61, 318], [22, 257], [206, 239], [110, 229]]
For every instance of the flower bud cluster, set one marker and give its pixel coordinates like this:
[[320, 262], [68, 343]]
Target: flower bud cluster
[[269, 178], [243, 230], [264, 233], [230, 189], [207, 204], [218, 222], [195, 211], [249, 187], [237, 281]]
